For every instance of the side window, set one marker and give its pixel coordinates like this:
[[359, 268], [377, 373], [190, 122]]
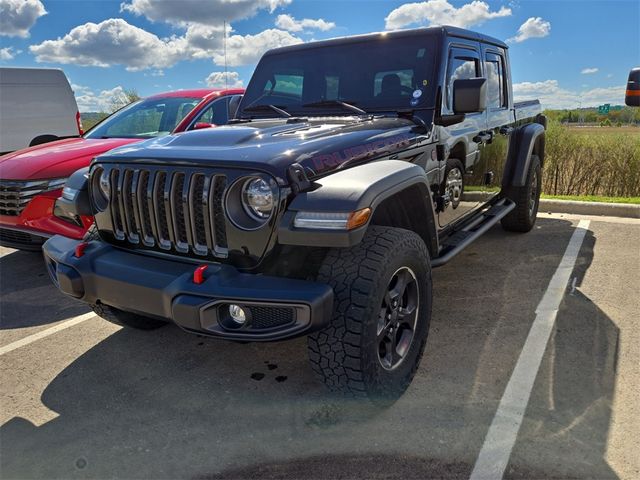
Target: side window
[[496, 97], [216, 112], [460, 67], [393, 83]]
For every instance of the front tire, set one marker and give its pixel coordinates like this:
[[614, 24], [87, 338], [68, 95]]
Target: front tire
[[382, 309], [527, 199], [126, 319]]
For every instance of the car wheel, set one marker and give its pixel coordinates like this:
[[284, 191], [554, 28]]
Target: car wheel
[[527, 199], [382, 310]]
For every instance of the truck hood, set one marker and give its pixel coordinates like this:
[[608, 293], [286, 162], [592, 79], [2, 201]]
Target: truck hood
[[55, 159], [319, 145]]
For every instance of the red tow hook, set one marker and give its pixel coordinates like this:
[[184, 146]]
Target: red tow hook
[[198, 274], [80, 248]]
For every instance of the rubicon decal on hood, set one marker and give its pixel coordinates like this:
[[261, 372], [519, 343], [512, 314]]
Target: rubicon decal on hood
[[371, 149]]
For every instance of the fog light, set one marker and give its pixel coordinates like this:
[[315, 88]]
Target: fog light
[[237, 314]]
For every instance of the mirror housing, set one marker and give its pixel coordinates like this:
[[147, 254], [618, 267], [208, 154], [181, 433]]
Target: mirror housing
[[469, 95], [632, 96], [201, 125]]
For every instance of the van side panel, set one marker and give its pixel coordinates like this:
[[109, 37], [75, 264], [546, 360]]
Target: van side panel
[[34, 102]]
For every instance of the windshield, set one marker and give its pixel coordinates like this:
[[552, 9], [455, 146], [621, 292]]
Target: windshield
[[149, 118], [385, 74]]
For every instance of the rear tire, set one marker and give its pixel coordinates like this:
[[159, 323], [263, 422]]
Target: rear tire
[[126, 319], [527, 199], [373, 346]]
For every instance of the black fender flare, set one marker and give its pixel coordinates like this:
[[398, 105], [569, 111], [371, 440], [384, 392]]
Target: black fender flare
[[523, 140], [363, 186], [75, 196]]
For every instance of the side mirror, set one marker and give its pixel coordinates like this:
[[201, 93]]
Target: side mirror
[[469, 95], [201, 125], [632, 96]]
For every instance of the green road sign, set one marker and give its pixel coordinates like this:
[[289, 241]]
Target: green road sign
[[604, 109]]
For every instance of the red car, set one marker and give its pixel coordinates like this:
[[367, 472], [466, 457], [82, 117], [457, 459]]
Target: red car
[[32, 179]]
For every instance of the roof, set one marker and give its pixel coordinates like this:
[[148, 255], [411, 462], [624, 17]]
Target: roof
[[415, 32], [198, 92]]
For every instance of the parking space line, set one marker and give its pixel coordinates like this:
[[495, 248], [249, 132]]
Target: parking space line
[[45, 333], [501, 437]]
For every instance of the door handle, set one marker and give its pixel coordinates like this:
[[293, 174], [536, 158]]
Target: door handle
[[483, 137], [506, 130]]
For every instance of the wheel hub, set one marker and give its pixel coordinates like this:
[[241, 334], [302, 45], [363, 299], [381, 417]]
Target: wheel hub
[[397, 319]]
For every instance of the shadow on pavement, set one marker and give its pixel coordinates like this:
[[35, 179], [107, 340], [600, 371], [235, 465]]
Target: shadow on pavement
[[29, 298], [166, 404]]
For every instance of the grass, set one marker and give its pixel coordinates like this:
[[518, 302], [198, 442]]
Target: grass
[[594, 198]]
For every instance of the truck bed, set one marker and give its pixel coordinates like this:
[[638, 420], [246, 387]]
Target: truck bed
[[527, 109]]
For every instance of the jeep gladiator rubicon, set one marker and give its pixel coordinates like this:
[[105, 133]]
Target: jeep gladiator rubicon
[[354, 166]]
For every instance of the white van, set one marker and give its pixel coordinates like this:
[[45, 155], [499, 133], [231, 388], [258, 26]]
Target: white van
[[37, 106]]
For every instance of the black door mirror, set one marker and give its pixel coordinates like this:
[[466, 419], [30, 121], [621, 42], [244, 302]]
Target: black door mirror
[[469, 95], [632, 97]]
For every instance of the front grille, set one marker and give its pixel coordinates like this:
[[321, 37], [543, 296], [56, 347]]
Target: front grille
[[263, 317], [16, 194], [17, 238], [179, 211]]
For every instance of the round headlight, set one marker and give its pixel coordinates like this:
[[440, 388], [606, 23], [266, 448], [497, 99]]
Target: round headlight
[[257, 199], [105, 184]]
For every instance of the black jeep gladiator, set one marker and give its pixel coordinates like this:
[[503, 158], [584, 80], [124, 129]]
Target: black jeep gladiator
[[354, 166]]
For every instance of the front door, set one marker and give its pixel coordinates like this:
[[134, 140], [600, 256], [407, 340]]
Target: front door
[[458, 174]]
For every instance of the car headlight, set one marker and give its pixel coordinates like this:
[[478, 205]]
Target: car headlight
[[104, 183], [100, 188], [257, 199], [251, 202], [55, 184]]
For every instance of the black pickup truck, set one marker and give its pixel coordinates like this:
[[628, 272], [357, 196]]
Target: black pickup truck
[[354, 166]]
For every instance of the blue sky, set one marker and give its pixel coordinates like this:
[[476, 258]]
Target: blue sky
[[565, 52]]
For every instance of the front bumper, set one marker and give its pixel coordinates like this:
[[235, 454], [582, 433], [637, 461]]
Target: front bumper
[[36, 223], [278, 308]]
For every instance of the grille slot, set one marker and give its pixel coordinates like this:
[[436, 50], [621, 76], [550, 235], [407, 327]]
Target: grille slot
[[263, 317], [174, 211], [15, 195]]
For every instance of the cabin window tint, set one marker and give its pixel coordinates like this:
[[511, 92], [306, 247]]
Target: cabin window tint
[[461, 67], [496, 97], [216, 113]]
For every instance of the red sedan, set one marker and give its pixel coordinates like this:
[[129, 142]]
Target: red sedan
[[32, 179]]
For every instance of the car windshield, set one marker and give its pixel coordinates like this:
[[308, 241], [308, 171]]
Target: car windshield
[[385, 74], [148, 118]]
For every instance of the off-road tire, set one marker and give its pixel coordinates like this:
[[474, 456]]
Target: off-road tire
[[523, 218], [126, 319], [344, 354]]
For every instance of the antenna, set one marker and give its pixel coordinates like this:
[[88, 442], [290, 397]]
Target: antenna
[[226, 76]]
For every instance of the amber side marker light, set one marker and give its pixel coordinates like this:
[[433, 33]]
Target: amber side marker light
[[332, 220]]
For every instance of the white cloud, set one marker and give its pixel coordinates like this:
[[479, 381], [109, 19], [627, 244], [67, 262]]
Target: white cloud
[[441, 12], [588, 71], [89, 101], [18, 16], [8, 53], [247, 49], [211, 12], [287, 22], [534, 27], [217, 80], [111, 42], [551, 95]]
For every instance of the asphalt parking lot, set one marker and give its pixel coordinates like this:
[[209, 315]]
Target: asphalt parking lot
[[92, 400]]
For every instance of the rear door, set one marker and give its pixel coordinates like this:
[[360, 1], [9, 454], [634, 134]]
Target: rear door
[[463, 61], [500, 119]]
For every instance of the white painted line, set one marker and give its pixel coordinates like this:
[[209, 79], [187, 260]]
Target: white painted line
[[496, 450], [45, 333]]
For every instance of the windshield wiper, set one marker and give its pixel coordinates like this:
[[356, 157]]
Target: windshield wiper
[[347, 106], [265, 106]]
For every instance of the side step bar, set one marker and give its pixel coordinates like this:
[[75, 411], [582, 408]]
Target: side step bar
[[467, 234]]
